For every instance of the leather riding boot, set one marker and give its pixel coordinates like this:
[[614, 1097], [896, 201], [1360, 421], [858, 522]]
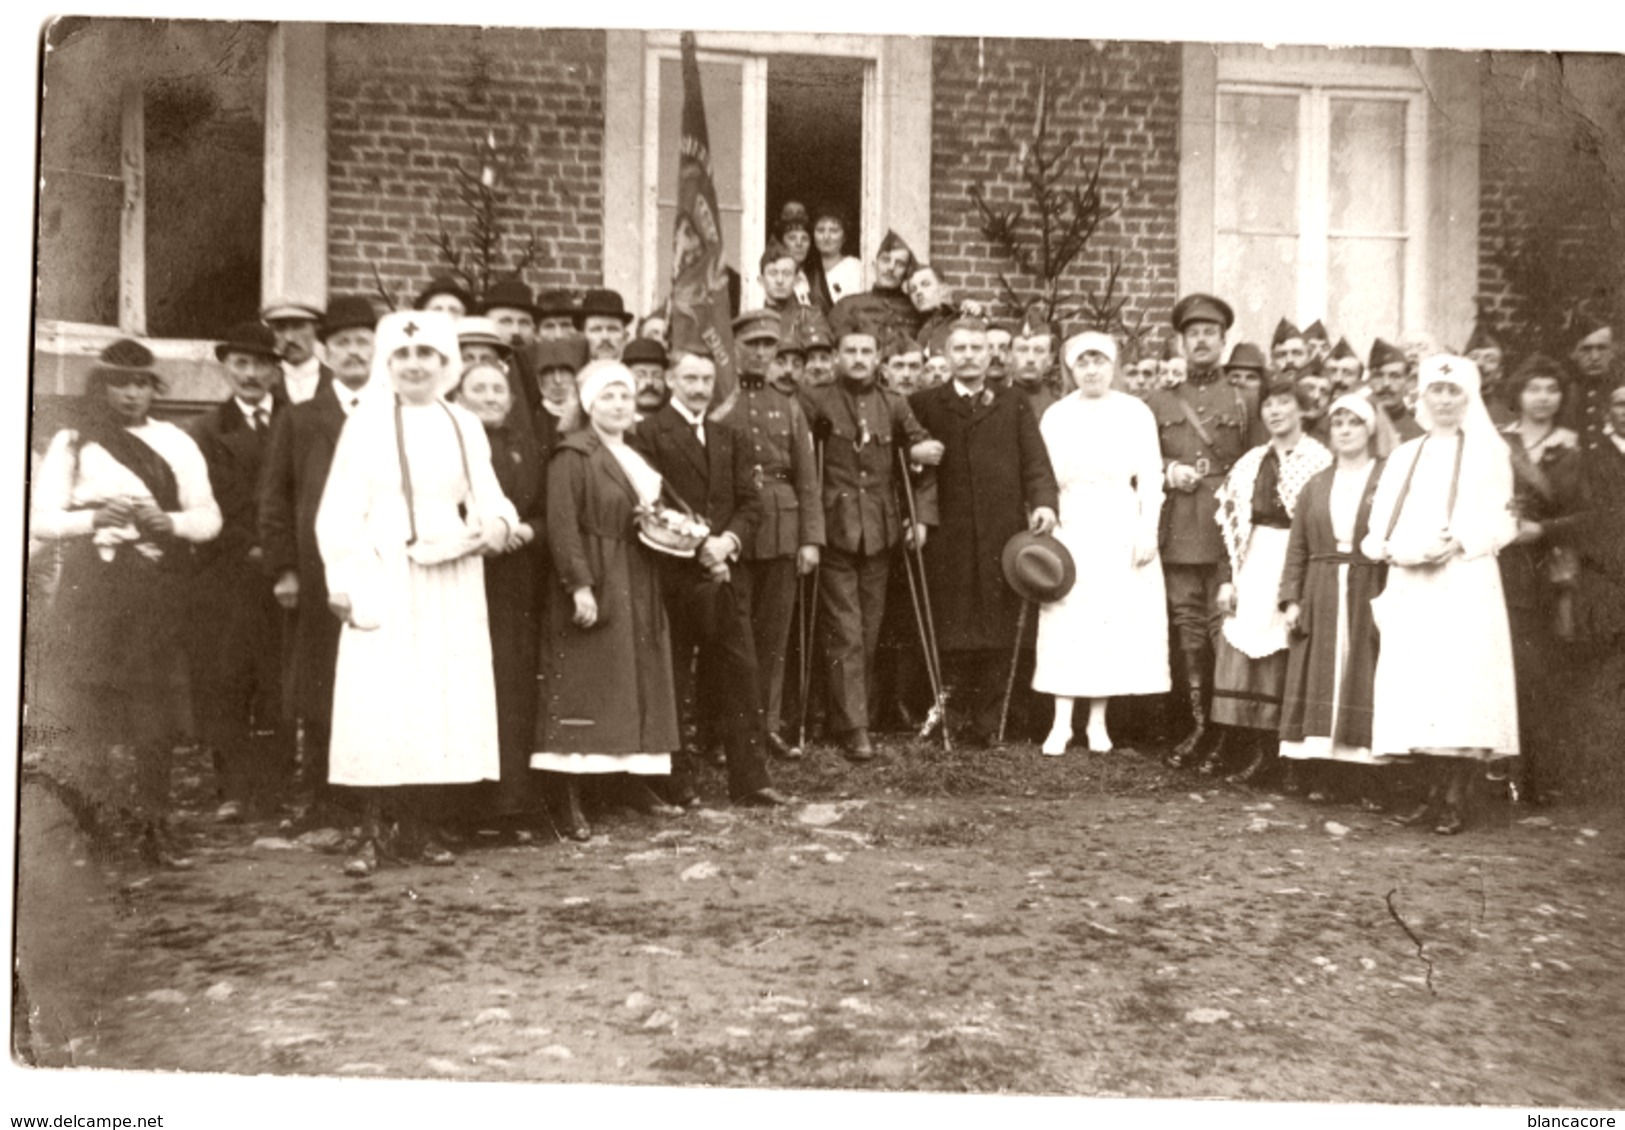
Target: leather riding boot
[[1213, 763], [1185, 752], [1259, 763]]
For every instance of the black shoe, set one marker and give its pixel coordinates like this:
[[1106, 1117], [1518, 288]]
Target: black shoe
[[1257, 767], [855, 746], [782, 749], [572, 821], [641, 798], [1187, 751], [763, 798], [1417, 816]]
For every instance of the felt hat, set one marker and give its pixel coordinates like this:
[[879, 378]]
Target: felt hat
[[555, 304], [644, 351], [757, 325], [600, 303], [558, 353], [252, 338], [1202, 308], [444, 284], [1246, 355], [508, 294], [348, 312], [1038, 567]]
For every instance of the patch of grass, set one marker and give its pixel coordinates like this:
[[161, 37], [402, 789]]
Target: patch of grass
[[950, 831], [951, 1062], [1151, 1004]]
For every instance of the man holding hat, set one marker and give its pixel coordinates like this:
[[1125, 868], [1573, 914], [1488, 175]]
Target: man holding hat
[[237, 648], [294, 324], [602, 320], [1204, 426], [778, 443], [302, 442], [859, 425], [994, 480], [508, 304]]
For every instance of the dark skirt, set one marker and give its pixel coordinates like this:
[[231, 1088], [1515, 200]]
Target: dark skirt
[[1246, 691]]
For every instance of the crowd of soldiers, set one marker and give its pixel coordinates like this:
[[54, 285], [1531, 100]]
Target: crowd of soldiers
[[887, 436]]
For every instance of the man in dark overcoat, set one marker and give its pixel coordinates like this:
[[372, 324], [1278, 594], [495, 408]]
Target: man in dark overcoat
[[296, 466], [1204, 425], [705, 464], [995, 480], [237, 642], [860, 427], [778, 446]]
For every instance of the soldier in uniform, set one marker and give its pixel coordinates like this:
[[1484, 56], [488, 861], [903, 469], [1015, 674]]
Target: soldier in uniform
[[1388, 380], [1592, 354], [819, 369], [1343, 368], [859, 426], [778, 445], [1288, 350], [1204, 426], [1034, 353], [1319, 341]]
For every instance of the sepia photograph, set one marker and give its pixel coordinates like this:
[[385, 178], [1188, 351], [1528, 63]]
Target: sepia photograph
[[817, 565]]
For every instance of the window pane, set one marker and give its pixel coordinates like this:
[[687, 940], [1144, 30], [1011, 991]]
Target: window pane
[[722, 85], [1366, 177], [205, 158], [81, 182], [1365, 286], [1257, 161], [1258, 276]]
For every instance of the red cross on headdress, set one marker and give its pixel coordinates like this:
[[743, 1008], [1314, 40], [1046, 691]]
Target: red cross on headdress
[[410, 329]]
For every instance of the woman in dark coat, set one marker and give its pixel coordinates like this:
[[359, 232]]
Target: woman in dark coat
[[511, 598], [1326, 591], [608, 704], [1540, 569]]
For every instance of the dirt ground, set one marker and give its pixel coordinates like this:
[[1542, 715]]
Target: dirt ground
[[1090, 925]]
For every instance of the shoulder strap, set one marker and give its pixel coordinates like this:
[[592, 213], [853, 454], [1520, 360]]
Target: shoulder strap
[[406, 475], [1193, 419], [1405, 487]]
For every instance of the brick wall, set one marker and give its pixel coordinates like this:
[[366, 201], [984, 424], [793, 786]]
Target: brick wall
[[1550, 215], [1122, 96], [406, 105]]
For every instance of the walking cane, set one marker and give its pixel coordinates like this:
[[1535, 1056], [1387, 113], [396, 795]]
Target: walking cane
[[1015, 657], [928, 638]]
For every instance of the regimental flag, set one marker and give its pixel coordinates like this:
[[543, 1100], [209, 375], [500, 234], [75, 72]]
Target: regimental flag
[[700, 312]]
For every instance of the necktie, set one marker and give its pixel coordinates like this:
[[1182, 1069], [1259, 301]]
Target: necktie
[[262, 418], [699, 431]]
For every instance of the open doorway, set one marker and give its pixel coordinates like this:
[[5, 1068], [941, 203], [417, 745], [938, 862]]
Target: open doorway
[[815, 136]]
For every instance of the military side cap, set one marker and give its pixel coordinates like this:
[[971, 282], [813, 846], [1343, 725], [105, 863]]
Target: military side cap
[[757, 325], [1202, 308], [444, 284], [644, 351], [816, 335], [348, 312], [1317, 332], [252, 338], [1344, 349], [508, 294], [1284, 331], [1038, 567], [1384, 353], [1246, 355], [602, 303], [1480, 338], [558, 353], [290, 310]]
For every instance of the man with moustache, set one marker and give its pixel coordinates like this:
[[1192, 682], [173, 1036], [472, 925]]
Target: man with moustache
[[994, 480], [884, 307], [705, 462], [1388, 381], [1033, 355], [1204, 426], [1319, 343], [294, 324], [778, 443], [647, 360], [859, 426], [1288, 350], [1343, 368], [301, 453], [509, 305], [237, 646], [1001, 334], [602, 320]]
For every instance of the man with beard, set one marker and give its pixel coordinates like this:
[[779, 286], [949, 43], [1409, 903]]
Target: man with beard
[[778, 444], [705, 462], [859, 426], [647, 360], [1033, 352], [602, 320], [1314, 394], [1592, 357], [1388, 380], [1204, 425], [994, 481], [1288, 350], [290, 492], [237, 650], [1343, 368], [884, 308], [294, 324]]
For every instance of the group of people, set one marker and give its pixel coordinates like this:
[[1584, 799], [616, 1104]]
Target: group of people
[[503, 558]]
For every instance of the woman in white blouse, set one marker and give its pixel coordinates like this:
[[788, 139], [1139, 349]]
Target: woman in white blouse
[[410, 505], [1109, 635], [121, 498]]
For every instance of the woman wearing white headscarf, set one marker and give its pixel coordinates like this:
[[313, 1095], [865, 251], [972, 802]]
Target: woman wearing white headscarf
[[1109, 635], [410, 504], [608, 703], [1444, 684]]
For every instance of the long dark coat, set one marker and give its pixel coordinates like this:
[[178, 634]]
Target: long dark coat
[[1310, 578], [607, 688], [303, 438], [1549, 492], [512, 594], [1600, 602], [994, 471]]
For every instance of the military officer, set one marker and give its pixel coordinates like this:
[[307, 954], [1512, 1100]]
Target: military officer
[[779, 450], [1204, 426]]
